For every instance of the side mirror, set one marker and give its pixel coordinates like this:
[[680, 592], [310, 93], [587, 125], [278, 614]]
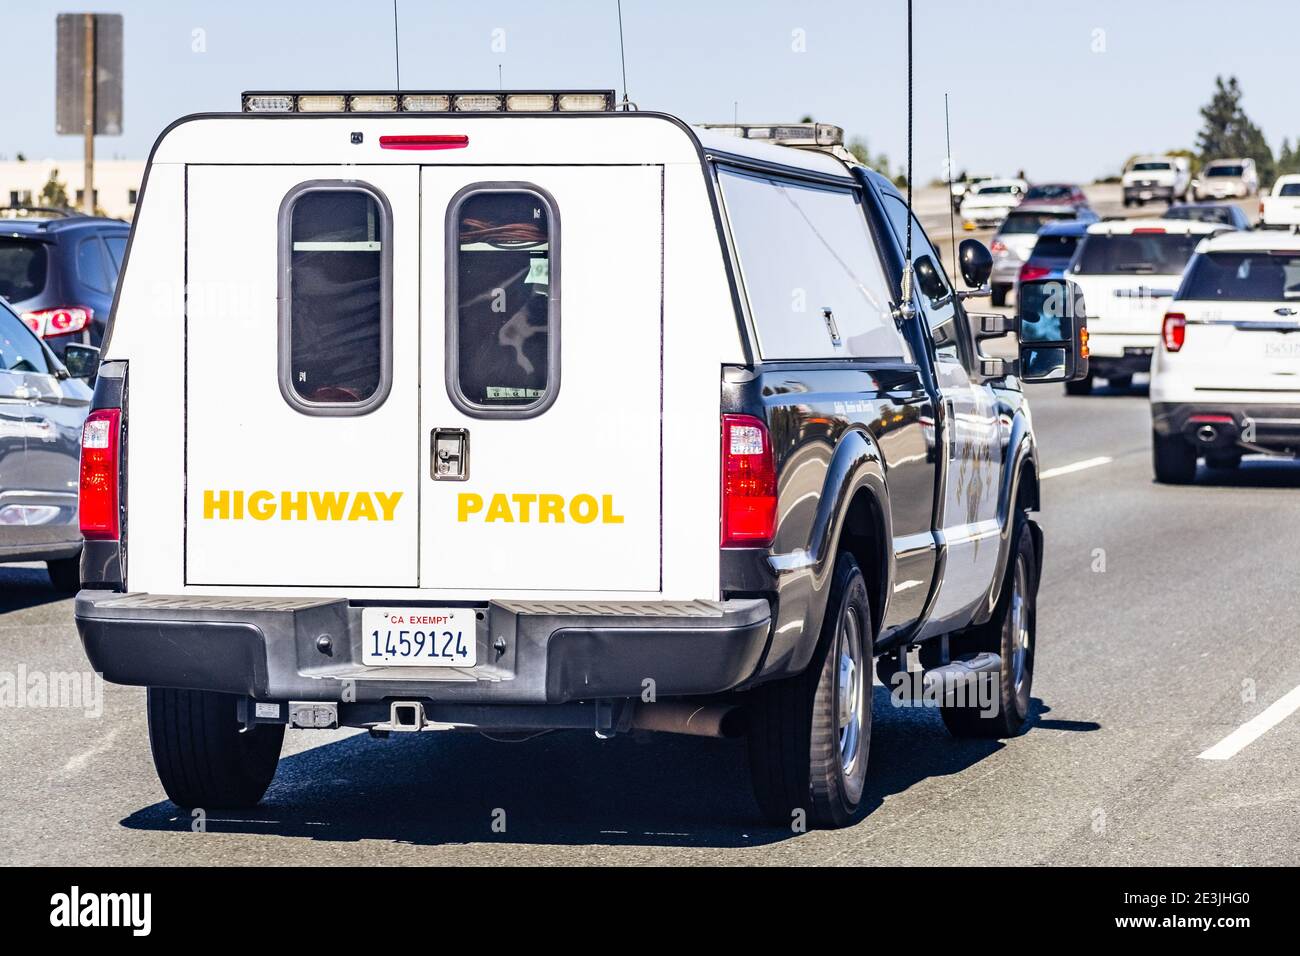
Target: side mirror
[[1052, 325], [81, 361], [976, 262], [928, 278]]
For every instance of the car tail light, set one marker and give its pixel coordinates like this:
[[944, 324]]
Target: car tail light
[[1029, 273], [998, 246], [748, 483], [445, 141], [1174, 331], [1148, 231], [63, 320], [100, 473]]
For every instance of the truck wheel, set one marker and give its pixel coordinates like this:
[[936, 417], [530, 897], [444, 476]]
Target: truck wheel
[[1081, 387], [202, 757], [65, 574], [809, 735], [1000, 295], [1010, 634], [1173, 459]]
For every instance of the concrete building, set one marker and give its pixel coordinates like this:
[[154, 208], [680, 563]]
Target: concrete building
[[117, 183]]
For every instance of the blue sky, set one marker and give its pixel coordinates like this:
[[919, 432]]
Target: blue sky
[[1059, 88]]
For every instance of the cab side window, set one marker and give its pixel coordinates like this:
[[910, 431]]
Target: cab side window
[[810, 268], [944, 321], [335, 298], [503, 320]]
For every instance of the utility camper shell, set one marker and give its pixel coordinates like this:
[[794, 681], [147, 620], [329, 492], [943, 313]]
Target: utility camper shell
[[520, 421]]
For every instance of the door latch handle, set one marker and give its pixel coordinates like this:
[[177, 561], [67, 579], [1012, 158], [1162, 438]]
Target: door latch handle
[[449, 454]]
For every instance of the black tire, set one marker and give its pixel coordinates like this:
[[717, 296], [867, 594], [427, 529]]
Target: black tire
[[1228, 461], [1121, 382], [1081, 387], [1173, 459], [65, 574], [1000, 294], [202, 758], [1011, 634], [803, 755]]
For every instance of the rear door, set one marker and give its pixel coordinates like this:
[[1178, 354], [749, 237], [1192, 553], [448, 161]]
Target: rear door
[[302, 375], [540, 411]]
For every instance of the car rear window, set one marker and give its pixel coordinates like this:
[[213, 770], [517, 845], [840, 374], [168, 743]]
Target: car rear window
[[1135, 254], [23, 267], [1289, 189], [1215, 214], [1224, 171], [1055, 247], [335, 298], [1150, 167], [1027, 223], [502, 300], [1048, 192], [1243, 277]]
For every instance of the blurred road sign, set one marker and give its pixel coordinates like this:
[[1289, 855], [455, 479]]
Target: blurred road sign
[[70, 87]]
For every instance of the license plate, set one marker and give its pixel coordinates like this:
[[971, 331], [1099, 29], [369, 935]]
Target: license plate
[[419, 636], [1134, 352]]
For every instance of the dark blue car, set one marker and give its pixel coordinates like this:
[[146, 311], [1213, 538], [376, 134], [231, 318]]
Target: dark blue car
[[58, 273], [1053, 250]]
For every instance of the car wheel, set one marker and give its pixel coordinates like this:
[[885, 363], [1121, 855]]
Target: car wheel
[[1173, 459], [203, 756], [1081, 387], [1000, 294], [1010, 634], [65, 574], [809, 736]]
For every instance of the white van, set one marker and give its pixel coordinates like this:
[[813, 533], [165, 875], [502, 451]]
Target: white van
[[508, 412], [1226, 378]]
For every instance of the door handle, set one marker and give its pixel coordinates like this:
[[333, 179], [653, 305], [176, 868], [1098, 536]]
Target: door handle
[[449, 454]]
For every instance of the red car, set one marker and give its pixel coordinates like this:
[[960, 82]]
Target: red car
[[1055, 194]]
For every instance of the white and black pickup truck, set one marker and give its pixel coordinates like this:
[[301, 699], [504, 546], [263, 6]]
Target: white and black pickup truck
[[1281, 208], [510, 413]]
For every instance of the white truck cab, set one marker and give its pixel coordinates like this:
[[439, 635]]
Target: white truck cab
[[1225, 380], [508, 412], [1164, 178], [1128, 269], [1281, 208]]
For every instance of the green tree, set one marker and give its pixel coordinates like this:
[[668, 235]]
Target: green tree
[[54, 193], [1288, 159], [1229, 133]]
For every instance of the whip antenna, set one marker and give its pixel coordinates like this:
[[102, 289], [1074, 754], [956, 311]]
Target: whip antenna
[[905, 309], [622, 56], [952, 222], [397, 49]]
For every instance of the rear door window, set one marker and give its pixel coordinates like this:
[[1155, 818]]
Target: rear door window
[[335, 298], [811, 270], [23, 268], [92, 265], [503, 302], [1136, 254]]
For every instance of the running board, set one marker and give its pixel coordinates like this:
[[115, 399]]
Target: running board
[[942, 682]]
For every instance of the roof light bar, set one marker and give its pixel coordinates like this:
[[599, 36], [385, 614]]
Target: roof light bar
[[431, 101], [783, 134]]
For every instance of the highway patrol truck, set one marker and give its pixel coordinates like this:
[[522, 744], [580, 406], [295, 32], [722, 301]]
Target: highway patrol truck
[[513, 412]]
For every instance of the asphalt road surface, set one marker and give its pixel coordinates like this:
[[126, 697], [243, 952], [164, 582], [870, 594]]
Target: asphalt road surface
[[1166, 626], [1166, 622]]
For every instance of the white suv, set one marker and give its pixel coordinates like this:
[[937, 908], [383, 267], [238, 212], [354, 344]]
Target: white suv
[[1226, 377], [1128, 269]]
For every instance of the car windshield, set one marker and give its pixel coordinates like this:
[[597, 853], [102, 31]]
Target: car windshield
[[1027, 223], [1136, 254], [995, 190], [1055, 247], [1216, 214], [1049, 192], [1223, 171], [23, 266], [1244, 277], [1150, 167]]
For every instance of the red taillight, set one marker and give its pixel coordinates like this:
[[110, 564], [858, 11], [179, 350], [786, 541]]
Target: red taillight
[[998, 246], [1029, 273], [1174, 331], [100, 440], [63, 320], [455, 141], [748, 483], [1149, 231]]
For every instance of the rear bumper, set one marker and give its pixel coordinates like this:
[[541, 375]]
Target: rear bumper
[[1146, 193], [528, 653], [1120, 354], [1219, 426]]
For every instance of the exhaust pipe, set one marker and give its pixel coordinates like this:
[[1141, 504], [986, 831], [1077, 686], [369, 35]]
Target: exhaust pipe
[[696, 720]]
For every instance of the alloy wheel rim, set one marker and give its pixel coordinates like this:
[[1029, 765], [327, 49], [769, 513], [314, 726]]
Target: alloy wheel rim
[[850, 691]]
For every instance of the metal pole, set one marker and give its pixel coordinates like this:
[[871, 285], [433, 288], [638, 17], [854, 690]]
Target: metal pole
[[88, 118]]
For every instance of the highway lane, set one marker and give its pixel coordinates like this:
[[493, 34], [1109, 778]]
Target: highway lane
[[1166, 621]]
